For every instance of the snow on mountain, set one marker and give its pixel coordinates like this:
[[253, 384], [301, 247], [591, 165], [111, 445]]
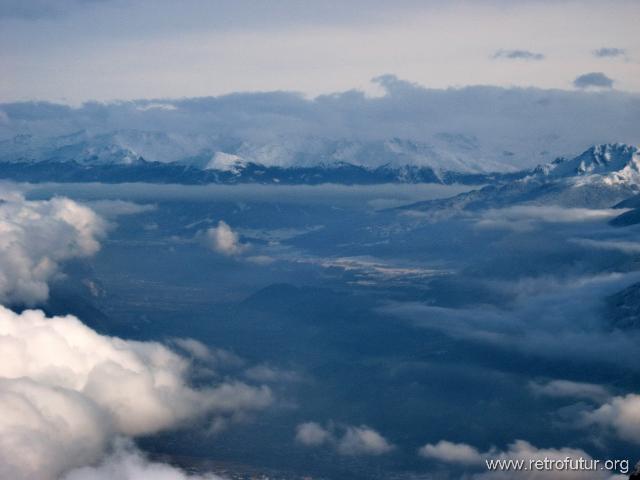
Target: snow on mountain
[[600, 177], [604, 174], [610, 163], [226, 162], [443, 153]]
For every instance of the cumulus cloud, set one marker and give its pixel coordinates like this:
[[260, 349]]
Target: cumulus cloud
[[215, 357], [312, 434], [363, 440], [69, 389], [608, 52], [517, 55], [355, 440], [593, 80], [621, 414], [224, 240], [451, 452], [46, 430], [35, 237], [128, 463], [520, 450], [567, 388]]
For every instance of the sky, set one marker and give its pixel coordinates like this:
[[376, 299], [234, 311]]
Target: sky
[[72, 51]]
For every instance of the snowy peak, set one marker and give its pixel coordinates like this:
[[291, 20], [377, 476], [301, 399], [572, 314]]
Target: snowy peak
[[226, 162], [614, 161]]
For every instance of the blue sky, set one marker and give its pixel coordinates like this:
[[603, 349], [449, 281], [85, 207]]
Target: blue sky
[[77, 50]]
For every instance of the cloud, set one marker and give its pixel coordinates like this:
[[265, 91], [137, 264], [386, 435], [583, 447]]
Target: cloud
[[606, 52], [363, 440], [451, 452], [355, 440], [624, 246], [547, 317], [46, 430], [224, 240], [115, 208], [128, 463], [312, 434], [517, 55], [521, 449], [35, 237], [213, 356], [70, 389], [566, 388], [449, 126], [593, 80], [527, 217], [560, 460], [621, 414]]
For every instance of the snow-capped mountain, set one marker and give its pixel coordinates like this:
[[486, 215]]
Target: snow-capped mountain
[[603, 174], [600, 177], [132, 155], [609, 163], [445, 152]]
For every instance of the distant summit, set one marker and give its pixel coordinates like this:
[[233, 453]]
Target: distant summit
[[617, 162], [600, 177]]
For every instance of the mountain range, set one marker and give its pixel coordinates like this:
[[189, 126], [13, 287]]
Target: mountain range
[[601, 177], [158, 157]]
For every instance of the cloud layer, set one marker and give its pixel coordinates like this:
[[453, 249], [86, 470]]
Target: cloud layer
[[283, 128]]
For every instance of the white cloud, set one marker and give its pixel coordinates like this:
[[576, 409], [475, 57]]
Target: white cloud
[[549, 317], [566, 388], [213, 356], [355, 440], [224, 240], [526, 217], [622, 414], [35, 236], [312, 434], [46, 430], [363, 440], [520, 450], [69, 389], [451, 452], [623, 246], [115, 208], [128, 463]]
